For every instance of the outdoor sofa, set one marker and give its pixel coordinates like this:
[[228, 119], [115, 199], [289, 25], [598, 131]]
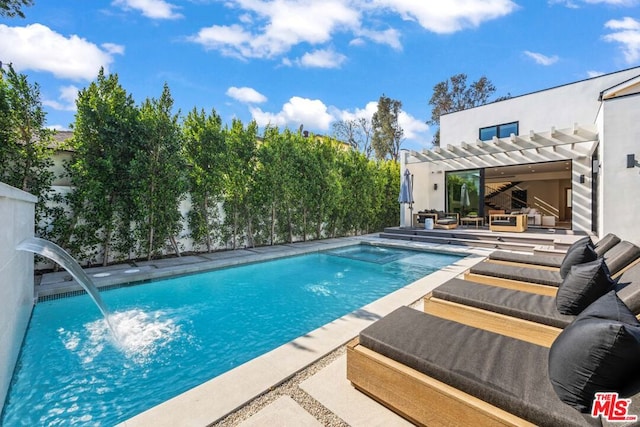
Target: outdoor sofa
[[441, 219], [554, 261], [546, 281]]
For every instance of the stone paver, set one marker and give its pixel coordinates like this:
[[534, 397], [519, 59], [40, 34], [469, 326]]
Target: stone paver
[[331, 388], [284, 412]]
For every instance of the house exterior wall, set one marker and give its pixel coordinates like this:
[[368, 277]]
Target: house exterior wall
[[16, 278], [560, 107], [620, 207]]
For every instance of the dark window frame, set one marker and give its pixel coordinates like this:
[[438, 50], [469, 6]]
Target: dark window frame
[[497, 130]]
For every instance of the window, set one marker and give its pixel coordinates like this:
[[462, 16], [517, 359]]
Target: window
[[500, 131]]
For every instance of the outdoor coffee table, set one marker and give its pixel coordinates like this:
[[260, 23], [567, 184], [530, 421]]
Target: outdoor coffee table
[[478, 220]]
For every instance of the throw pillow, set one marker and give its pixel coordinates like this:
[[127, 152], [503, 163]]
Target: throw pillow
[[584, 284], [598, 352], [578, 253]]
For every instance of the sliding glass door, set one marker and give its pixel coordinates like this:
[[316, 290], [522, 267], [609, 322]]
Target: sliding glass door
[[464, 192]]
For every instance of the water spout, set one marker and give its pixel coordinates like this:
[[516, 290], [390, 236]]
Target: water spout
[[56, 253]]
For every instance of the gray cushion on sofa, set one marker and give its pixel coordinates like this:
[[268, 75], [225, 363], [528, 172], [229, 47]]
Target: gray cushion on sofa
[[506, 372], [510, 302], [525, 274]]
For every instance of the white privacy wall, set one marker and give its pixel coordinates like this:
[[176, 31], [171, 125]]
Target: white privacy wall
[[16, 278]]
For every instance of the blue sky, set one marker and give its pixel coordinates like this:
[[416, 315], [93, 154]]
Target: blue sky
[[312, 62]]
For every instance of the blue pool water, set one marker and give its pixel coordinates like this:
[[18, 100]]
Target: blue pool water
[[180, 332]]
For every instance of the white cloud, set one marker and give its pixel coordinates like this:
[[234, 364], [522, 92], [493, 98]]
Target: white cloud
[[66, 100], [390, 37], [154, 9], [270, 28], [280, 25], [626, 32], [246, 95], [112, 48], [324, 58], [542, 59], [574, 4], [592, 73], [451, 15], [38, 48], [312, 113], [317, 117]]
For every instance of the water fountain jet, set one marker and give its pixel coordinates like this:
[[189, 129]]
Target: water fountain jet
[[56, 253]]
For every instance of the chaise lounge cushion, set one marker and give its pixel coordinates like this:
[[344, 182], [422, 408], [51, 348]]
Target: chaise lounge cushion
[[506, 372], [606, 243], [580, 252], [510, 302], [617, 258], [598, 352], [545, 260], [584, 284], [526, 274]]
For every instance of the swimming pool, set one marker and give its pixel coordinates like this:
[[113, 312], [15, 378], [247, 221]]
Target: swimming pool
[[196, 327]]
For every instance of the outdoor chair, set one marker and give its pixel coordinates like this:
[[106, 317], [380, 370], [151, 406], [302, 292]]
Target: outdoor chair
[[546, 281], [553, 261], [518, 314], [436, 371]]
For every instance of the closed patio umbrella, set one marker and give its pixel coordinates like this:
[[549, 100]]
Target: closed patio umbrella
[[464, 197], [406, 191]]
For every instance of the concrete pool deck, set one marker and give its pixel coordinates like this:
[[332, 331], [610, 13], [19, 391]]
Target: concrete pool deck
[[214, 400]]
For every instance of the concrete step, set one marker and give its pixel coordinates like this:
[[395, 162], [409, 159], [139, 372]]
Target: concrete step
[[458, 240]]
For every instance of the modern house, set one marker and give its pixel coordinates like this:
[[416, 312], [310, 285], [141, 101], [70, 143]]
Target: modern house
[[569, 152]]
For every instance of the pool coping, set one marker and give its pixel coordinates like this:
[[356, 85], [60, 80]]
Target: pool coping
[[213, 400]]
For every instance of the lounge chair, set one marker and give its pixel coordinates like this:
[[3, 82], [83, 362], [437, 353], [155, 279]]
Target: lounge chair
[[438, 372], [530, 317], [546, 281], [525, 260]]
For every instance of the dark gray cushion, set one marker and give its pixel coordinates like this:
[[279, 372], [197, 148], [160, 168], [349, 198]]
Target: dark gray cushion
[[628, 288], [621, 255], [510, 302], [584, 284], [606, 243], [524, 274], [447, 221], [506, 372], [546, 260], [578, 253], [598, 352]]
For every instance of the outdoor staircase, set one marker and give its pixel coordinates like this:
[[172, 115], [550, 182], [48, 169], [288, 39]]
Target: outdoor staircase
[[522, 242]]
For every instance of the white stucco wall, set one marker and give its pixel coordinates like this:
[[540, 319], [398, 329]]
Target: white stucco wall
[[16, 278], [621, 186], [560, 107]]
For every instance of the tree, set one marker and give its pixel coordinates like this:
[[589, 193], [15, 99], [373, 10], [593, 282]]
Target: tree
[[25, 144], [157, 175], [11, 8], [454, 95], [355, 132], [387, 132], [238, 175], [106, 138], [204, 152]]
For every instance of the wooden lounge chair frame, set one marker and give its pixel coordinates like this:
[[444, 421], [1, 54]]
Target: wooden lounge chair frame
[[418, 397], [525, 330], [526, 286]]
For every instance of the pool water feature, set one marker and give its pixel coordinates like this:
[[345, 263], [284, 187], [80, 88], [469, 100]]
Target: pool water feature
[[186, 330]]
